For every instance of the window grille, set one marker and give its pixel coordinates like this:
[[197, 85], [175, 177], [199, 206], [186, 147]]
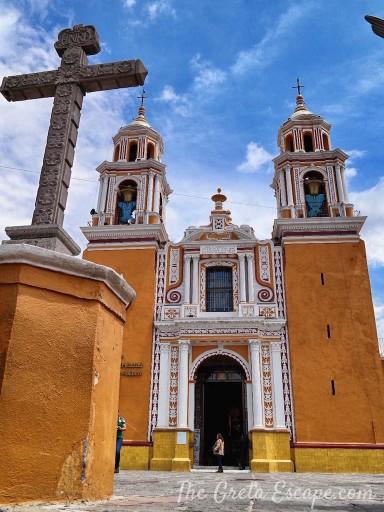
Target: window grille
[[219, 291]]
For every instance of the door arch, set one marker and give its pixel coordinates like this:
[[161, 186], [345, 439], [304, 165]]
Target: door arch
[[220, 405]]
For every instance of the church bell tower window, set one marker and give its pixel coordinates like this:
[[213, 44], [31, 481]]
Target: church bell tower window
[[132, 152], [315, 198], [308, 142], [150, 151], [219, 289], [288, 143]]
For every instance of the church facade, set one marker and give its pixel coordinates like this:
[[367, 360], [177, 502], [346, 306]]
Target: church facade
[[271, 340]]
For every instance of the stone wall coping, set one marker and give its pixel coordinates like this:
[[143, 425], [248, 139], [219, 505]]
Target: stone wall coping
[[58, 262]]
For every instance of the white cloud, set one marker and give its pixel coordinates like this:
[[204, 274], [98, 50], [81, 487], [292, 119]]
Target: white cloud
[[179, 102], [129, 3], [159, 7], [257, 159], [264, 52], [369, 203], [207, 75], [350, 170], [379, 313]]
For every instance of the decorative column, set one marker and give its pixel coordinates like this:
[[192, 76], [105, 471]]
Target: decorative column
[[257, 398], [344, 181], [289, 185], [182, 409], [248, 384], [150, 191], [191, 405], [156, 199], [283, 192], [187, 279], [251, 274], [163, 404], [277, 385], [242, 277], [340, 190], [195, 277]]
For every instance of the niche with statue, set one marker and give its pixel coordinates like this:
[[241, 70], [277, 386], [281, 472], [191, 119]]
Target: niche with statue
[[315, 197], [126, 203]]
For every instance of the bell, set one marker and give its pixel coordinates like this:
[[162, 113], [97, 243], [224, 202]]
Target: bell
[[314, 185], [127, 194]]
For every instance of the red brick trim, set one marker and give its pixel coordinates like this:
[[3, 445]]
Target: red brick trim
[[137, 443], [356, 446]]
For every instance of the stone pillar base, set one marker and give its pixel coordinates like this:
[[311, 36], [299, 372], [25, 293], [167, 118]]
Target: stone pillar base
[[47, 236], [61, 335], [271, 451], [171, 450]]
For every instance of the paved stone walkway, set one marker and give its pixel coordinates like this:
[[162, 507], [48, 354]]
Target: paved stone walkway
[[206, 491]]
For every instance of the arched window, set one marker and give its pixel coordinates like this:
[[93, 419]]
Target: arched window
[[315, 199], [126, 202], [132, 152], [308, 142], [219, 289], [150, 151], [288, 143], [325, 142], [116, 154]]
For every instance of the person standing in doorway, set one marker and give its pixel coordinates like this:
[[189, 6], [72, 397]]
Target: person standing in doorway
[[218, 450], [121, 426]]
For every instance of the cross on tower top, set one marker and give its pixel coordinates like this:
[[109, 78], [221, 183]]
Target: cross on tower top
[[298, 86], [142, 97], [68, 84]]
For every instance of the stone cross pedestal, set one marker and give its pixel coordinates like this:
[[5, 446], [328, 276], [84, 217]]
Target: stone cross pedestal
[[68, 85]]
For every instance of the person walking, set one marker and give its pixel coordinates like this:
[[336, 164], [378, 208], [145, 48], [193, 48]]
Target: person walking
[[121, 426], [218, 450]]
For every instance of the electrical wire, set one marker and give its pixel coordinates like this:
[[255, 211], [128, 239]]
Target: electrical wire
[[174, 193]]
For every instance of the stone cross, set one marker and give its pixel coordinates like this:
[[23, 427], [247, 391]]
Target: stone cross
[[68, 85]]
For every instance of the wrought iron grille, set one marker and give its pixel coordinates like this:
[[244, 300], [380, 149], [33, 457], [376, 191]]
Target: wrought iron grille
[[219, 291]]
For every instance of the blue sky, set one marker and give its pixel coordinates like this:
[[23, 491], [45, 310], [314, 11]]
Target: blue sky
[[219, 85]]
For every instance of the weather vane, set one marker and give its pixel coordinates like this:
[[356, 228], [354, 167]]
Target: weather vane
[[142, 97], [298, 86]]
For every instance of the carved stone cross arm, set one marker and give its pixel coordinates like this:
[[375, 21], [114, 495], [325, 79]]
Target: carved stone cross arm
[[97, 77]]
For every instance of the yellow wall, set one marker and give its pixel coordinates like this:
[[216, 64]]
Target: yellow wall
[[338, 460], [350, 357], [138, 269], [60, 344]]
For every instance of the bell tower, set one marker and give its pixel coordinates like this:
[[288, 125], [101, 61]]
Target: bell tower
[[337, 379], [309, 175], [127, 233], [134, 191]]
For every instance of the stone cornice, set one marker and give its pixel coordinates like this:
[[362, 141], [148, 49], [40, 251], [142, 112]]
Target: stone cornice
[[301, 157], [220, 326], [317, 225], [52, 260], [129, 232]]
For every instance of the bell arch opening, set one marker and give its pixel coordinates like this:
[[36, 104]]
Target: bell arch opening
[[315, 196], [220, 407], [126, 202]]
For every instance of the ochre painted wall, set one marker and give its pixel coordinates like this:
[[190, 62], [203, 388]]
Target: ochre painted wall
[[350, 357], [59, 392], [138, 268]]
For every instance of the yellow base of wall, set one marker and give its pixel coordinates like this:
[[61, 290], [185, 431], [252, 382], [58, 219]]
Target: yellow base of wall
[[271, 452], [135, 457], [168, 455], [338, 460]]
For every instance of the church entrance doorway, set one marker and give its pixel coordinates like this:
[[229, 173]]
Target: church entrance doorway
[[220, 406]]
